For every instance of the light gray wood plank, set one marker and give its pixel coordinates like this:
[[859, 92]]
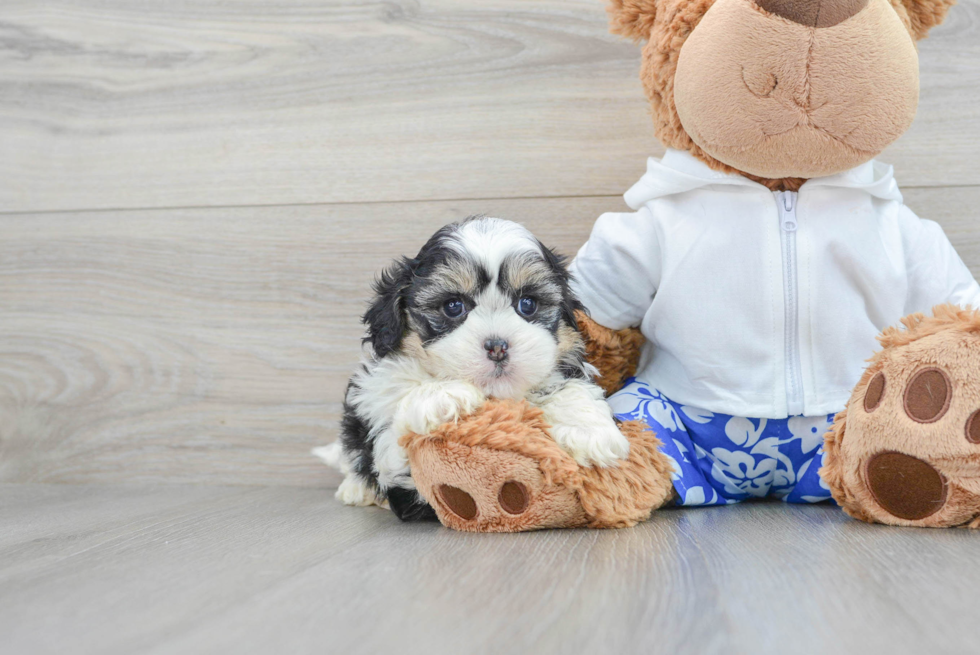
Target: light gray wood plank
[[290, 570], [206, 103], [213, 346], [42, 526]]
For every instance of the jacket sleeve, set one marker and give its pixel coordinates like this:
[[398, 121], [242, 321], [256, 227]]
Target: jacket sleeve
[[936, 274], [616, 272]]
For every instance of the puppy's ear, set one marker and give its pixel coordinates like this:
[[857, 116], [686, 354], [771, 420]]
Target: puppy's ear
[[924, 14], [632, 18], [385, 318], [569, 303]]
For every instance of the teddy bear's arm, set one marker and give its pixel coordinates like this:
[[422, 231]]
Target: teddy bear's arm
[[615, 353]]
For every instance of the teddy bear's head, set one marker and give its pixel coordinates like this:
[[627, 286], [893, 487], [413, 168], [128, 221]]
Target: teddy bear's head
[[781, 90]]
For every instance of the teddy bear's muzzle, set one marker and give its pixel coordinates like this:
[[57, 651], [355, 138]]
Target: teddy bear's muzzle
[[781, 97]]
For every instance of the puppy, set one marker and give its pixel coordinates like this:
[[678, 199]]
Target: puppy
[[483, 310]]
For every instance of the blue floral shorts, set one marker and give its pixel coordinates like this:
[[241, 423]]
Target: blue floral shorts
[[720, 459]]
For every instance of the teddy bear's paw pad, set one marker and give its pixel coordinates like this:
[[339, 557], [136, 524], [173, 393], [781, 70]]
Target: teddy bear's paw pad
[[906, 487], [458, 502], [927, 396], [513, 498], [973, 427]]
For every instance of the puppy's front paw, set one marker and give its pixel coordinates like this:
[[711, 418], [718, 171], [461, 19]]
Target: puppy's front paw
[[430, 406], [356, 491], [598, 444]]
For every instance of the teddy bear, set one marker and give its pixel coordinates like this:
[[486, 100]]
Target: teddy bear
[[732, 313]]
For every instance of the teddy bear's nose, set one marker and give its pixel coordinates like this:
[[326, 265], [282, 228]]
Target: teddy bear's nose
[[814, 13]]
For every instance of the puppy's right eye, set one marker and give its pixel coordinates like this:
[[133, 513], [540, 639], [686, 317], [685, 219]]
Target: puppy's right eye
[[454, 308]]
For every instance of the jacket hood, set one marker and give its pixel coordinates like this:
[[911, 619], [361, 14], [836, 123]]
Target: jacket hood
[[679, 172]]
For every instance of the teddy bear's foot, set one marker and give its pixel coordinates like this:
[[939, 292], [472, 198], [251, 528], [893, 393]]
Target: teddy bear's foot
[[498, 470], [906, 451]]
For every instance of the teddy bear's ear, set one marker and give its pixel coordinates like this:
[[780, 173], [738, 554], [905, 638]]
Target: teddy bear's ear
[[925, 14], [633, 18]]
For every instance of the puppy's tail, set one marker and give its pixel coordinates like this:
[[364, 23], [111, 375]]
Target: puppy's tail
[[332, 455]]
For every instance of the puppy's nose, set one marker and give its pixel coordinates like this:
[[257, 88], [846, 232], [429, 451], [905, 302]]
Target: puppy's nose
[[496, 349], [814, 13]]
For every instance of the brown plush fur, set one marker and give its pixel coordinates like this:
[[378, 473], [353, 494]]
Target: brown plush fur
[[508, 441], [615, 353], [922, 15], [666, 25], [950, 341]]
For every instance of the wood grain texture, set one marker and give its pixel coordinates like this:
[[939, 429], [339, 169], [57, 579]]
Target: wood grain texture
[[124, 104], [214, 345], [127, 569]]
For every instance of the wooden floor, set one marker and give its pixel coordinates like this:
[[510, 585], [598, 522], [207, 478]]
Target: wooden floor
[[194, 198], [196, 569]]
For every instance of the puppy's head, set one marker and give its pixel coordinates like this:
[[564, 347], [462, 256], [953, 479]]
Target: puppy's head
[[483, 301]]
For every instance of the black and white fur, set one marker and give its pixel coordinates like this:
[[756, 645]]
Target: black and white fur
[[515, 337]]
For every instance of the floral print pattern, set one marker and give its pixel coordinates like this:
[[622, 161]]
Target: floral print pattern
[[720, 459]]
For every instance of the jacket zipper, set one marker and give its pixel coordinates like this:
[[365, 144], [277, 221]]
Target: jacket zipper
[[787, 202]]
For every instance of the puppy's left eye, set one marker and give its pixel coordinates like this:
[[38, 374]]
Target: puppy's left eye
[[454, 308], [526, 306]]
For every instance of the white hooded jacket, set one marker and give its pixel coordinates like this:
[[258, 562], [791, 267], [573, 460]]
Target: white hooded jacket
[[761, 304]]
